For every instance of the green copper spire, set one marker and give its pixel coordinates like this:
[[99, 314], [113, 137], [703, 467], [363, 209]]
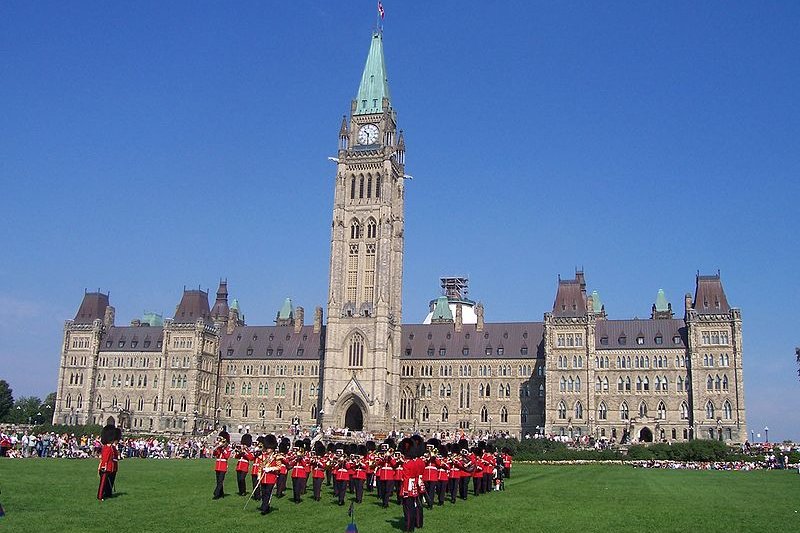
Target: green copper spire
[[286, 311], [661, 301], [597, 303], [154, 319], [374, 83], [441, 311], [235, 304]]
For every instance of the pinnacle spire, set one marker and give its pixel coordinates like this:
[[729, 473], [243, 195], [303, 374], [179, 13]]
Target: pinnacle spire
[[374, 85]]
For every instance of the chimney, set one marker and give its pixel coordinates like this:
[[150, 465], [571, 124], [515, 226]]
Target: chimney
[[136, 322], [459, 317], [298, 319], [479, 313], [317, 320], [687, 301], [108, 319]]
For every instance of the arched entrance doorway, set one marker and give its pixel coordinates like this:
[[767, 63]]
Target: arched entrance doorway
[[645, 435], [354, 418]]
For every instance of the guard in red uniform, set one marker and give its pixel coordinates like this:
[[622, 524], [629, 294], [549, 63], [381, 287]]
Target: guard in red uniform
[[341, 476], [360, 472], [318, 464], [430, 475], [255, 469], [477, 472], [283, 449], [444, 474], [221, 453], [488, 468], [507, 462], [243, 457], [269, 466], [369, 460], [299, 466], [411, 482], [109, 456]]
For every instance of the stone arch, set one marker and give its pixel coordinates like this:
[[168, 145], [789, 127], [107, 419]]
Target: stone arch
[[645, 435], [344, 406]]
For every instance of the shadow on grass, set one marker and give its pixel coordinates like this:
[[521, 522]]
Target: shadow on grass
[[396, 523]]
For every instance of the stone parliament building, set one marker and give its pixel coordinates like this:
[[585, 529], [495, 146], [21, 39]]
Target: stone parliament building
[[576, 372]]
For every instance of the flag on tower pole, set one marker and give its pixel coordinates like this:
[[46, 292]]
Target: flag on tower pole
[[381, 12]]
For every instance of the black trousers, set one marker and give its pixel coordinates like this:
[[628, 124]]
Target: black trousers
[[463, 487], [104, 490], [340, 490], [412, 513], [477, 482], [280, 487], [487, 483], [241, 482], [218, 490], [380, 485], [256, 487], [297, 488], [359, 484], [507, 473], [429, 494], [387, 492], [452, 487], [328, 477], [266, 495], [317, 481], [370, 482]]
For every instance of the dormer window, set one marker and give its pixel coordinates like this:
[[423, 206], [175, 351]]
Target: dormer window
[[622, 340], [134, 344], [108, 343], [430, 352], [659, 339], [604, 340], [121, 343], [146, 344], [640, 340], [230, 352], [249, 351], [676, 339], [269, 352]]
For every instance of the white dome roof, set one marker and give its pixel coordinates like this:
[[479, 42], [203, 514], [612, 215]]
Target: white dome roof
[[468, 315]]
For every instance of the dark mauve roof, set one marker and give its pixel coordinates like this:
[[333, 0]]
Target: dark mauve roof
[[511, 336], [238, 345], [193, 305], [92, 307], [709, 296], [634, 328], [132, 338], [570, 300]]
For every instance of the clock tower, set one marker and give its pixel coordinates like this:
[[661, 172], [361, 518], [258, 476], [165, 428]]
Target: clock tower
[[362, 348]]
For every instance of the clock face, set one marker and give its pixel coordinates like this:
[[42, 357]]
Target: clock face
[[368, 134]]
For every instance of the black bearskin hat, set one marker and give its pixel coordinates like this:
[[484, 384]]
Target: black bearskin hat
[[370, 445], [490, 448], [224, 435], [247, 439], [331, 447], [391, 443], [506, 451], [319, 448], [406, 447], [283, 447], [118, 434], [307, 444], [436, 443], [108, 433], [463, 444], [362, 450], [419, 445], [269, 442], [443, 450]]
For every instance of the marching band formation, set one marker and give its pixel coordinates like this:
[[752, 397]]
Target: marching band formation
[[418, 473]]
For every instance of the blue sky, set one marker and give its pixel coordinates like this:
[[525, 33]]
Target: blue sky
[[144, 147]]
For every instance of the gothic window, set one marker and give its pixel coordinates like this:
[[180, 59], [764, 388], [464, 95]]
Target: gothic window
[[279, 412], [623, 411], [646, 384], [642, 409], [684, 411], [445, 414], [488, 390], [524, 415], [244, 410], [578, 411], [355, 230], [725, 382], [355, 351], [155, 403], [627, 384], [662, 411], [727, 412], [69, 401], [562, 410], [503, 415], [717, 383], [578, 384], [228, 409], [484, 414], [171, 404], [620, 384], [361, 187], [541, 391], [602, 411], [372, 229], [377, 186], [425, 414], [99, 402], [183, 404], [562, 384], [369, 186], [709, 383], [605, 384], [710, 410], [406, 406]]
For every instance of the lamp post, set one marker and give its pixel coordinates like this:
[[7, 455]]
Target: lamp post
[[490, 424], [537, 431], [752, 436], [766, 434], [394, 423], [194, 422], [216, 419], [183, 426]]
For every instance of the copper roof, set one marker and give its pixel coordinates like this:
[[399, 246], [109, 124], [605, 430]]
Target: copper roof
[[92, 307], [570, 299]]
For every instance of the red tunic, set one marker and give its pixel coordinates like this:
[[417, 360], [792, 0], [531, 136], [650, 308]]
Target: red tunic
[[318, 468], [243, 461], [221, 454], [360, 471], [299, 467], [411, 473], [342, 472], [431, 472], [108, 458]]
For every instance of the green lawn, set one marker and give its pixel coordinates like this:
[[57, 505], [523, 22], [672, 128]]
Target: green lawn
[[175, 495]]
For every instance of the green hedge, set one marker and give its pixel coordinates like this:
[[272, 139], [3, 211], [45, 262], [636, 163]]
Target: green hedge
[[548, 450], [693, 450], [60, 429]]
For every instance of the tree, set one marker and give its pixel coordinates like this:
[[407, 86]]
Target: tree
[[26, 410], [797, 353], [48, 408], [6, 399]]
